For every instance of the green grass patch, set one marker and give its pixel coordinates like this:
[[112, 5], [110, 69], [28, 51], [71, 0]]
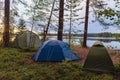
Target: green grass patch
[[18, 65]]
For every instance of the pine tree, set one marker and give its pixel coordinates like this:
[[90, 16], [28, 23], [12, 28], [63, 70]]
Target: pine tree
[[86, 24], [71, 6], [61, 20], [6, 35]]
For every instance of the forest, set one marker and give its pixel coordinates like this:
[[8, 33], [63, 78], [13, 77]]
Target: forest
[[37, 40]]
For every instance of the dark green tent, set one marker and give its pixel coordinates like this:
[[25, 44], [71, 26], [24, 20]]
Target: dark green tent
[[98, 59]]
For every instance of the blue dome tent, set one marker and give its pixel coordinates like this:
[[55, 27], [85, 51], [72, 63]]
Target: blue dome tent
[[55, 50]]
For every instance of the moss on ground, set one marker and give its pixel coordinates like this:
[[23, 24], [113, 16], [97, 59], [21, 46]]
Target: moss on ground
[[18, 65]]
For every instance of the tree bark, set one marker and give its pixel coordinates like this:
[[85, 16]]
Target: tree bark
[[86, 24], [6, 35], [61, 14], [46, 31], [71, 12]]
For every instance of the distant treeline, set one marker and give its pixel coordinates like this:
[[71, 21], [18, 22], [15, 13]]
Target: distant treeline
[[106, 34]]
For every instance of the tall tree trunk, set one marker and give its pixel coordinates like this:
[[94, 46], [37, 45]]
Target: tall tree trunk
[[6, 35], [46, 30], [61, 14], [33, 21], [86, 24], [71, 12]]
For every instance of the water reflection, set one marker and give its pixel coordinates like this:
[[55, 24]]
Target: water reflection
[[111, 43]]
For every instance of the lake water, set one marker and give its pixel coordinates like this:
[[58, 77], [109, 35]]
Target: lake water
[[111, 43]]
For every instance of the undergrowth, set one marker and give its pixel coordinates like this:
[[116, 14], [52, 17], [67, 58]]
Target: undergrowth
[[17, 65]]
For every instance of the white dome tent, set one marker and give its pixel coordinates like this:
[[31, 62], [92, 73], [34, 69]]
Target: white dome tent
[[26, 39]]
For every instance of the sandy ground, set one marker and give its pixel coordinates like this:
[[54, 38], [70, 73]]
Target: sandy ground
[[82, 53], [114, 54]]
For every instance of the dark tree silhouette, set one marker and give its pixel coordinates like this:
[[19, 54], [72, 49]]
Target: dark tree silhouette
[[6, 36], [86, 24], [61, 14], [46, 30]]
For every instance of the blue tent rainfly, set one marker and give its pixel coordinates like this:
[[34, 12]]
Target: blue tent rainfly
[[55, 50]]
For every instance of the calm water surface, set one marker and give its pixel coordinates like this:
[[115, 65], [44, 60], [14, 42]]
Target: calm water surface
[[111, 43]]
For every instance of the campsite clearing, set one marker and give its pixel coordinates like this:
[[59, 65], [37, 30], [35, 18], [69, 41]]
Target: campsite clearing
[[16, 64]]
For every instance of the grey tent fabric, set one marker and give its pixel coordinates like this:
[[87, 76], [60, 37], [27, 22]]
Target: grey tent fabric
[[98, 59], [98, 43], [26, 39]]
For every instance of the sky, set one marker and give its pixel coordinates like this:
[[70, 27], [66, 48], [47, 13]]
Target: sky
[[95, 27]]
